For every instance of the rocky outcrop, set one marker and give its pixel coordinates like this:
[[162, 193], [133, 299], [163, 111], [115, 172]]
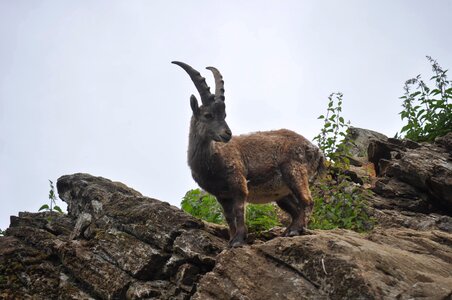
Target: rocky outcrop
[[417, 175], [400, 173], [114, 243]]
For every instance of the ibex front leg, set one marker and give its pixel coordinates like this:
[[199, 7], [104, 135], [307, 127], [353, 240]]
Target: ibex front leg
[[234, 213], [234, 209], [228, 211], [241, 232]]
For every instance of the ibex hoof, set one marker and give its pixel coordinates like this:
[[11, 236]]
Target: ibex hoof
[[294, 232], [237, 242]]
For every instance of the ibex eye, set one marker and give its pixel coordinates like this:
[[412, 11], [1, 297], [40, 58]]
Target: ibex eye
[[208, 116]]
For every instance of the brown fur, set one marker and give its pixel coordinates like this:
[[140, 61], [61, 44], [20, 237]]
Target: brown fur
[[259, 168]]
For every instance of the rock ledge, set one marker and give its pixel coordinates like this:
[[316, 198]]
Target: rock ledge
[[117, 244]]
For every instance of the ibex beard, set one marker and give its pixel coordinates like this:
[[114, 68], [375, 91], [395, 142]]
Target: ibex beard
[[271, 166]]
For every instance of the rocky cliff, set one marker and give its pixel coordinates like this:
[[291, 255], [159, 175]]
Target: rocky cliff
[[114, 243]]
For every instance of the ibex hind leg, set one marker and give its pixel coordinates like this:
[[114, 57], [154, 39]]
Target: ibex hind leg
[[296, 177], [290, 205]]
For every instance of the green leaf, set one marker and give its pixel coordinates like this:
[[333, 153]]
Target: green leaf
[[45, 206], [57, 208], [435, 92], [419, 113]]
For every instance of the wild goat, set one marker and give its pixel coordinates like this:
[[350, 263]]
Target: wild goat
[[259, 167]]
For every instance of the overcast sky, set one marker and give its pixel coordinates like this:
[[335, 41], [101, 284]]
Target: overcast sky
[[87, 86]]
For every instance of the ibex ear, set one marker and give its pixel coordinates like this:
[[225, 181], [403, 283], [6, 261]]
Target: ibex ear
[[194, 105]]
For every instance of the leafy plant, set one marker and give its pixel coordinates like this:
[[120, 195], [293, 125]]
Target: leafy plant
[[200, 204], [332, 137], [2, 232], [203, 205], [427, 110], [340, 204], [337, 201], [261, 217], [52, 198]]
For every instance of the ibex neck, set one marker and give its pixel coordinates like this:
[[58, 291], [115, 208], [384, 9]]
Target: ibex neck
[[200, 151]]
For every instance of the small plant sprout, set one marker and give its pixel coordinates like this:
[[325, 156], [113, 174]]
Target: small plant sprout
[[52, 198]]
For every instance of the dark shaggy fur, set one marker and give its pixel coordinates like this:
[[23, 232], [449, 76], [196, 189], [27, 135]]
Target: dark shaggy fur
[[260, 167]]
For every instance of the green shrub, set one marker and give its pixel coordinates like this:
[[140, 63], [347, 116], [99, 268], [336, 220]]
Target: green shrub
[[203, 205], [261, 217], [200, 204], [338, 203], [427, 110]]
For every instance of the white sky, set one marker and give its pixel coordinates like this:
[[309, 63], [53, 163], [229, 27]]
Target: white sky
[[87, 86]]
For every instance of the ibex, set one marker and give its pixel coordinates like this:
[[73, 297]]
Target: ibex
[[259, 167]]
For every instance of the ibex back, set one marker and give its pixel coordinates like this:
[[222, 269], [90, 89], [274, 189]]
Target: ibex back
[[259, 167]]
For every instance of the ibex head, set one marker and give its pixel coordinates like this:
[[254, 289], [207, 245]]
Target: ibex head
[[209, 118]]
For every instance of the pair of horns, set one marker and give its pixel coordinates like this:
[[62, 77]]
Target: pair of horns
[[201, 85]]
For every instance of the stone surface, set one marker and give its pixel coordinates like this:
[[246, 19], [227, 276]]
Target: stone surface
[[336, 264], [446, 142], [113, 244], [359, 140], [411, 181], [117, 244], [412, 171]]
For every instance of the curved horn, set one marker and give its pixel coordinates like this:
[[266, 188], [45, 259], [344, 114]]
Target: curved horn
[[219, 83], [199, 81]]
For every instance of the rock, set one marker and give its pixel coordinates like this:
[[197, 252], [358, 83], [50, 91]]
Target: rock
[[402, 196], [445, 141], [389, 218], [114, 243], [86, 193], [117, 244], [359, 140], [246, 273], [336, 264], [425, 167], [158, 289]]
